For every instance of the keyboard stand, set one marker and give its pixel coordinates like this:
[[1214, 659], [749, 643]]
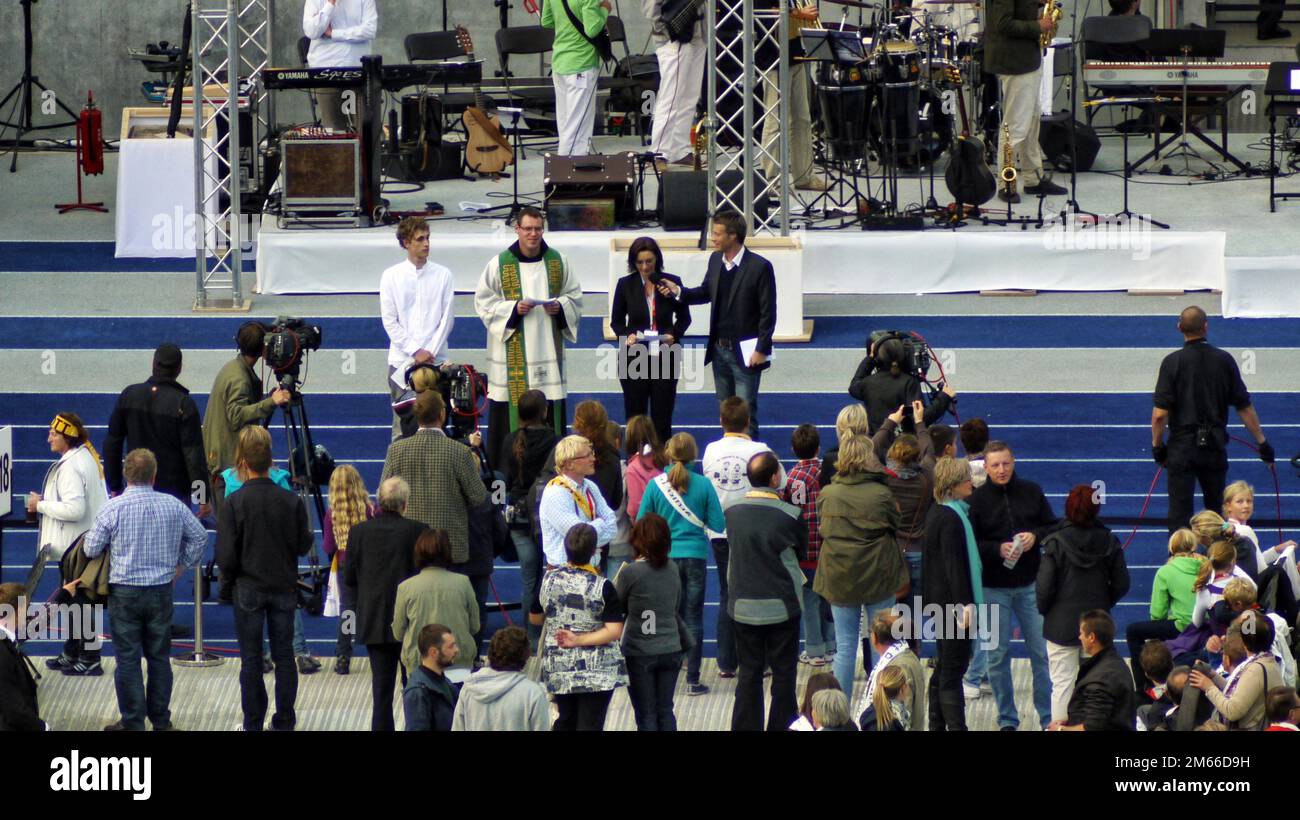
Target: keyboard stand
[[1187, 129]]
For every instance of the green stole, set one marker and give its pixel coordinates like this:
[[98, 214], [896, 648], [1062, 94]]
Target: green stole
[[516, 355]]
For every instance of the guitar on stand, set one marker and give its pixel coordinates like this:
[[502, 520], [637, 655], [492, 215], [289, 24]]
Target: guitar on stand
[[968, 177], [487, 151]]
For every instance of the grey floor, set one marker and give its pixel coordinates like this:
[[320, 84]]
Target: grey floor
[[208, 700]]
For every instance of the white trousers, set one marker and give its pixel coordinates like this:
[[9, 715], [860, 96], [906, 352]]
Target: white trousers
[[1020, 111], [800, 136], [1063, 667], [681, 70], [575, 111]]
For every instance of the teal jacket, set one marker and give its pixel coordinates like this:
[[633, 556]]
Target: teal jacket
[[689, 541]]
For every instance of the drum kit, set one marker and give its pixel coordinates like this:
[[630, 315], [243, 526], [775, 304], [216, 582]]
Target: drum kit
[[884, 100]]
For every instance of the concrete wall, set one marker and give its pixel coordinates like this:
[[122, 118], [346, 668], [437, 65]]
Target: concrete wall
[[82, 44]]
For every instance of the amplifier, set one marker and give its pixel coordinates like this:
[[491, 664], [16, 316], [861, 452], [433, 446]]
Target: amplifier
[[594, 181], [321, 175]]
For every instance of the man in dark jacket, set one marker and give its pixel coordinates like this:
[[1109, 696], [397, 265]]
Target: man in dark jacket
[[1103, 699], [159, 415], [17, 687], [883, 385], [1011, 517], [767, 538], [262, 530], [429, 699], [381, 555], [1012, 53]]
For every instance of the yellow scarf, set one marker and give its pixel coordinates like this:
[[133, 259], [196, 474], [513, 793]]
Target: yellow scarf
[[583, 500]]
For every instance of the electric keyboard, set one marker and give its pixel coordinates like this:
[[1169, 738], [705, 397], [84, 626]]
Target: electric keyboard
[[391, 77], [1199, 73]]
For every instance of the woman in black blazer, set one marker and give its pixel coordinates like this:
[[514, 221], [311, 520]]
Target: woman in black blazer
[[648, 381]]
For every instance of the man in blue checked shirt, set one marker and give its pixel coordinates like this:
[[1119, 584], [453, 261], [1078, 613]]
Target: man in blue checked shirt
[[153, 538]]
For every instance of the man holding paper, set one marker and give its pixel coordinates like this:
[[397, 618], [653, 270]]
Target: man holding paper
[[530, 300], [415, 301], [741, 287]]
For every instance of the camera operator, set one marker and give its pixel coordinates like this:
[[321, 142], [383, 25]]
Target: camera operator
[[1193, 390], [443, 474], [885, 381], [415, 302], [234, 403]]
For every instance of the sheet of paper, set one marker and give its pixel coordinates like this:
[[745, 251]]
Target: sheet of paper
[[747, 348]]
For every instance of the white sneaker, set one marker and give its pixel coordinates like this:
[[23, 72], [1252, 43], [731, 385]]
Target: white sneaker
[[971, 692], [986, 688]]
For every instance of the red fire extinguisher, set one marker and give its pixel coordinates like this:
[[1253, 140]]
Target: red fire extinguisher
[[90, 154], [90, 136]]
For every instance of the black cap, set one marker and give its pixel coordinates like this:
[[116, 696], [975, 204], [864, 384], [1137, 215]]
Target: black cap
[[167, 360]]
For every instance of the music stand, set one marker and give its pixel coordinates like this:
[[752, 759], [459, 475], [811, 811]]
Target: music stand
[[21, 93], [514, 206], [1127, 102]]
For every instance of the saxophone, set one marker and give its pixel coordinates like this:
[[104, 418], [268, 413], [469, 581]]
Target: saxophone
[[1052, 12], [1008, 172]]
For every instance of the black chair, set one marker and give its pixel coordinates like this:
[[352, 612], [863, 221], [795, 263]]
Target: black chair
[[442, 45], [626, 92], [538, 99], [1113, 38]]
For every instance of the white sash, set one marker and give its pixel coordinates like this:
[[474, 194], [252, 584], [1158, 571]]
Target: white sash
[[670, 492], [894, 650]]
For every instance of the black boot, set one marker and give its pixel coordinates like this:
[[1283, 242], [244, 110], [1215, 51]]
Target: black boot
[[953, 706]]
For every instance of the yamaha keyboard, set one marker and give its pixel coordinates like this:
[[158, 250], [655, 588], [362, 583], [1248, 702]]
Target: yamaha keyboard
[[391, 77], [1200, 73]]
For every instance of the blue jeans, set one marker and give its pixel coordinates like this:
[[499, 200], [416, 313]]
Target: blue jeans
[[731, 379], [256, 610], [693, 572], [652, 679], [848, 634], [530, 575], [299, 638], [727, 659], [142, 625], [818, 633], [1023, 602]]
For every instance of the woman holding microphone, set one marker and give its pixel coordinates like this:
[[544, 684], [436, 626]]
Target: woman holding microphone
[[649, 325]]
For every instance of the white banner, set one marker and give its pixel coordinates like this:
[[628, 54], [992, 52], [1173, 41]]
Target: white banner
[[6, 470]]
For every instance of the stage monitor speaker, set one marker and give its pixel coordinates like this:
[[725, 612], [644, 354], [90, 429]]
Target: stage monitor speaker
[[1054, 138], [323, 174], [684, 198], [591, 182]]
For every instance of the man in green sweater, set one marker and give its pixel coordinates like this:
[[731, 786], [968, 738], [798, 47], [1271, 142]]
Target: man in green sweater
[[235, 402], [1012, 53], [574, 66]]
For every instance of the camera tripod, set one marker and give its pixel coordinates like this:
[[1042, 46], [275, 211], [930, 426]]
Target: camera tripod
[[21, 94]]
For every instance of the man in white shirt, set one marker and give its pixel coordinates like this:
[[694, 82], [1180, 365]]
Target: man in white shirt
[[341, 32], [415, 302], [725, 463]]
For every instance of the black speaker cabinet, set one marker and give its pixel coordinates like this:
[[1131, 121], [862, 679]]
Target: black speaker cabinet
[[1054, 138], [684, 198]]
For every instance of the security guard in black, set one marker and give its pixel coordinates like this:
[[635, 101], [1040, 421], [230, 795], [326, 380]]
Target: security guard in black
[[1194, 388]]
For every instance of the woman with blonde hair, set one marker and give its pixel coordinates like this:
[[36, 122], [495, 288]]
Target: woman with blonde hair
[[888, 710], [851, 421], [1238, 507], [1173, 599], [349, 505], [860, 568], [690, 505]]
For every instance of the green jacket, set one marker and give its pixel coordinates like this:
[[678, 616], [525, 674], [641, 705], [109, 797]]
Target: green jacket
[[435, 596], [860, 562], [1172, 595], [235, 402], [1011, 36], [572, 53]]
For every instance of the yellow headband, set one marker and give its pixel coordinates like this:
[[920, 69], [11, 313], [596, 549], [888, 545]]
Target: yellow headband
[[64, 427]]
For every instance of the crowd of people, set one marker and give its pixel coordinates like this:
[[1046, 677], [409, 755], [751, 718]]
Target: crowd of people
[[613, 527]]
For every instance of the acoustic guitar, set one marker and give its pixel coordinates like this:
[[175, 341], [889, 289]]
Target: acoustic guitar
[[968, 176], [487, 151]]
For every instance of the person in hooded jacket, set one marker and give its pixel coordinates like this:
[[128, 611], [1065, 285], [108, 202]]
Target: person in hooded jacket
[[500, 697], [1082, 569]]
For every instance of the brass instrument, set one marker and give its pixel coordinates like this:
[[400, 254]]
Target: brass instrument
[[700, 143], [1052, 12], [1008, 172]]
